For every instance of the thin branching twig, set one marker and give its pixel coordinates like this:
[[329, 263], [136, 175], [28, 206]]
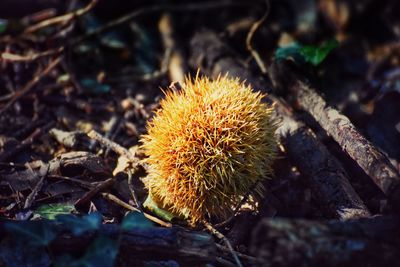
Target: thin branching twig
[[250, 35], [226, 241], [66, 18], [118, 201], [6, 56], [113, 146], [54, 63]]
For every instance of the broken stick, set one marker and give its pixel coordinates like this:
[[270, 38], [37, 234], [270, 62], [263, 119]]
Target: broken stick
[[374, 163]]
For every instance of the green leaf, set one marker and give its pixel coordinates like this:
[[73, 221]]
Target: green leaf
[[316, 54], [306, 53], [152, 206], [81, 225], [50, 211], [94, 87], [35, 233], [3, 25], [135, 220]]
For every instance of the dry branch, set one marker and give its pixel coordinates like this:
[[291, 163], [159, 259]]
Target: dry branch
[[325, 175], [66, 18], [93, 191], [327, 178], [113, 146], [125, 205], [368, 157]]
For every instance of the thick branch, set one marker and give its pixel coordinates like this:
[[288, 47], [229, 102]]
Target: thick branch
[[369, 158], [325, 175], [153, 243]]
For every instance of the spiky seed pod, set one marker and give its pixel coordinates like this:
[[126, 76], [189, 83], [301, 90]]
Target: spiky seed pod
[[207, 146]]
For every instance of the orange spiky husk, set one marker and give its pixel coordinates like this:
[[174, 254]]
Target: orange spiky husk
[[207, 146]]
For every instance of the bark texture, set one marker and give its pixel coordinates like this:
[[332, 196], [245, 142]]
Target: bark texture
[[369, 158], [153, 243]]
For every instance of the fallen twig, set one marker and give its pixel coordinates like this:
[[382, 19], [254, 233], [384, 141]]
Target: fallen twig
[[92, 192], [245, 257], [132, 208], [132, 191], [123, 152], [250, 35], [18, 94], [226, 241], [31, 197], [113, 146], [237, 208], [66, 18], [81, 182], [6, 56], [368, 157], [25, 143]]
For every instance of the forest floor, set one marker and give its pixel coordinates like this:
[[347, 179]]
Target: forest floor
[[80, 79]]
